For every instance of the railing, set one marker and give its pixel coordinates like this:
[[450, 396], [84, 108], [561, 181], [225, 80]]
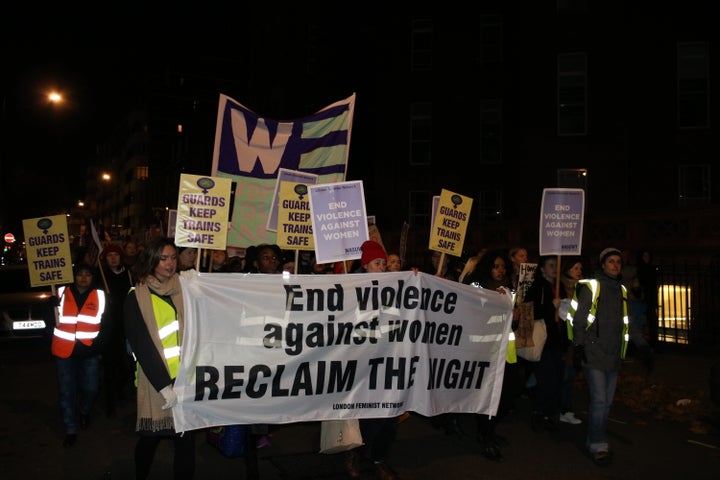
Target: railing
[[689, 304]]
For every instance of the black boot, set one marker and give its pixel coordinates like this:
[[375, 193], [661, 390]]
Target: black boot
[[489, 447], [70, 440], [251, 460], [490, 450]]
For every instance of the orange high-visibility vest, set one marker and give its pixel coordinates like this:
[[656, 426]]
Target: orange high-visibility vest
[[75, 323]]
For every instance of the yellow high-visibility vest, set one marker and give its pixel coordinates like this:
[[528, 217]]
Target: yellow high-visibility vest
[[168, 329], [594, 287]]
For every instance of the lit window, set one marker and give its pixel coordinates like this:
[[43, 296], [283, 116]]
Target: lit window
[[673, 307]]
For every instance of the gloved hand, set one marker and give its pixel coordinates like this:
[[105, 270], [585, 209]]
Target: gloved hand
[[170, 397], [579, 356], [647, 357]]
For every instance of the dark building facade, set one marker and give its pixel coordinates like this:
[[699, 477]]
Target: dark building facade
[[610, 97]]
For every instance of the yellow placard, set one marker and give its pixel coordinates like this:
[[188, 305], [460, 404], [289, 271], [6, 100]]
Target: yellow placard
[[47, 244], [450, 223], [202, 212], [294, 226]]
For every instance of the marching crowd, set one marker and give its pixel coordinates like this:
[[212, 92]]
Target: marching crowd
[[116, 334]]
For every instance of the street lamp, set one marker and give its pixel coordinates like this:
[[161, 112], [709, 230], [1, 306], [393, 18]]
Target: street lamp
[[55, 97], [110, 201]]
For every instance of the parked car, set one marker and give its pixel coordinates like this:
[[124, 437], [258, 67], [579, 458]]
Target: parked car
[[24, 309]]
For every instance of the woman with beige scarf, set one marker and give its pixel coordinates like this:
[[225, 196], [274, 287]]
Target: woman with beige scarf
[[152, 308]]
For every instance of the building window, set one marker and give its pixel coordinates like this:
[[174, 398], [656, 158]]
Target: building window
[[491, 132], [141, 173], [572, 5], [421, 44], [491, 39], [489, 205], [420, 133], [420, 208], [694, 185], [692, 85], [674, 305], [572, 178], [572, 93]]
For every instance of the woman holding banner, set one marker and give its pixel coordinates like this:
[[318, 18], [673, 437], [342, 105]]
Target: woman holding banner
[[491, 273], [154, 327]]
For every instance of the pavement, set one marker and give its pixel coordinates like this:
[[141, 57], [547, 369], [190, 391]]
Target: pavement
[[663, 426]]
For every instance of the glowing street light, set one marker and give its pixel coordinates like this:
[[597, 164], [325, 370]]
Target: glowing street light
[[55, 97]]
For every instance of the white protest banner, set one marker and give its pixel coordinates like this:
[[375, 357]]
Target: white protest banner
[[203, 211], [561, 221], [292, 348], [48, 250], [339, 220]]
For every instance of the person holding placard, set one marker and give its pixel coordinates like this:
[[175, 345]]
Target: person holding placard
[[548, 371], [571, 273], [117, 364], [377, 433]]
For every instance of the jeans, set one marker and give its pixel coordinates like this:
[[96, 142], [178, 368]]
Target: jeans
[[567, 391], [77, 374], [601, 385]]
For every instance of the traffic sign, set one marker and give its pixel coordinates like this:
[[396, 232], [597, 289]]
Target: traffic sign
[[9, 237]]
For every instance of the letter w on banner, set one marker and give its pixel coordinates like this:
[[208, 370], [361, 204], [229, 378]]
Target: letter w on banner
[[250, 149]]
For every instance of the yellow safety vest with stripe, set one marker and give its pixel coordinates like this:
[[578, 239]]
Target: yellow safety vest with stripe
[[594, 287], [168, 329], [511, 353]]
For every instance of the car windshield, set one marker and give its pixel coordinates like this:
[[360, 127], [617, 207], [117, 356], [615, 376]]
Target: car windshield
[[16, 278]]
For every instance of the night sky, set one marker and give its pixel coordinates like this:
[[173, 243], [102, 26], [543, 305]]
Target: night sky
[[46, 147], [101, 67]]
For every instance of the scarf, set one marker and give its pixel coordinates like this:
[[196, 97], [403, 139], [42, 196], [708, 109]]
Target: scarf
[[150, 415]]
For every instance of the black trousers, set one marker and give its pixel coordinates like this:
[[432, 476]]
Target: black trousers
[[183, 458]]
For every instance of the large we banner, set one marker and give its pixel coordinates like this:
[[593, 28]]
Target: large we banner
[[250, 150], [276, 349]]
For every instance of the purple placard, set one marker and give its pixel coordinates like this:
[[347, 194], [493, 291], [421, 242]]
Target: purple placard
[[339, 220], [561, 221]]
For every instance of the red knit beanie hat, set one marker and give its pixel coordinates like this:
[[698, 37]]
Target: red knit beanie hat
[[370, 251], [112, 248]]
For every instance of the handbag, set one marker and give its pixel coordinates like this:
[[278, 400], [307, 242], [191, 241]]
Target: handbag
[[230, 440], [539, 335], [340, 435]]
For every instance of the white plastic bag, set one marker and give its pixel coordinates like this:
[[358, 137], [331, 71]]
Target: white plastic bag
[[340, 435], [539, 336]]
